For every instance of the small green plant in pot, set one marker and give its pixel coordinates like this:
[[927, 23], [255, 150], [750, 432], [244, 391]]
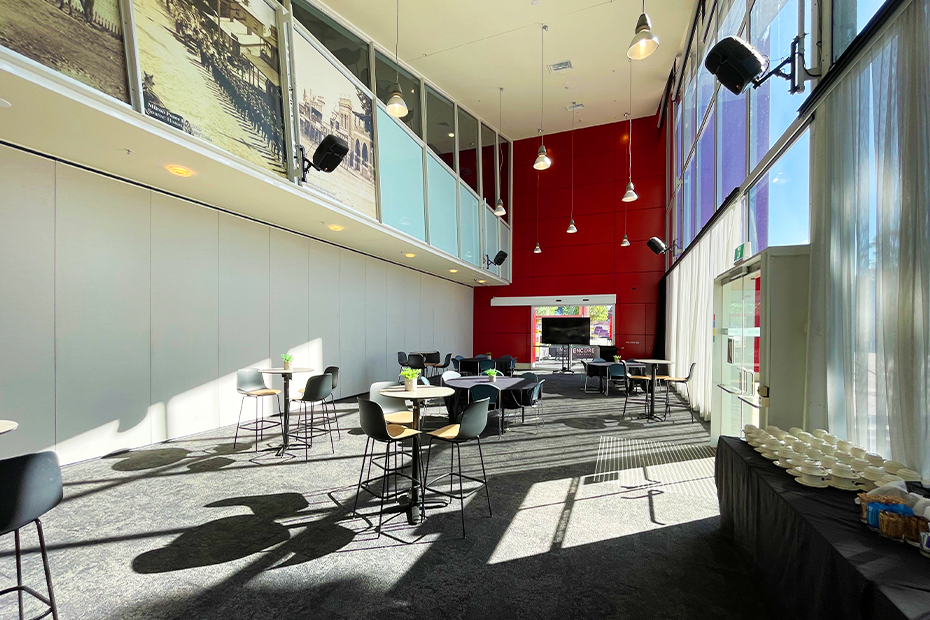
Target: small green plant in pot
[[492, 375], [616, 358], [410, 376], [287, 360]]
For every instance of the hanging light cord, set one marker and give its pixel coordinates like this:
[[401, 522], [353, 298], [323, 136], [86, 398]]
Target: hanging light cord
[[629, 144], [571, 217], [537, 208], [396, 31], [500, 153], [542, 74]]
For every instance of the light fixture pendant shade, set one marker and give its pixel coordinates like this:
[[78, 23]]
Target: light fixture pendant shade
[[630, 195], [537, 249], [396, 106], [626, 242], [571, 227], [644, 43], [499, 209], [542, 159]]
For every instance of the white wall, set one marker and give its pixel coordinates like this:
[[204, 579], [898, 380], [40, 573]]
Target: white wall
[[125, 312]]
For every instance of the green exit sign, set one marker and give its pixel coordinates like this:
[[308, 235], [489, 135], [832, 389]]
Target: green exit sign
[[742, 252]]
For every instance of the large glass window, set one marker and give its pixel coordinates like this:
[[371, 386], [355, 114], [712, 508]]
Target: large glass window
[[774, 24], [687, 204], [779, 204], [688, 122], [488, 165], [704, 176], [676, 171], [400, 168], [440, 126], [468, 149], [348, 49], [443, 225], [849, 18], [387, 73], [731, 143], [706, 82]]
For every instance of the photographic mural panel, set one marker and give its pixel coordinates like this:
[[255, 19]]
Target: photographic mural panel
[[82, 39], [330, 103], [210, 68]]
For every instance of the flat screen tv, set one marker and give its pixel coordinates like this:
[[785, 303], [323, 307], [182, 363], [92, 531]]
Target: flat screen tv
[[565, 330]]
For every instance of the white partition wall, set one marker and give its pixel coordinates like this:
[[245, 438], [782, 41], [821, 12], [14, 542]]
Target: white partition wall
[[126, 312]]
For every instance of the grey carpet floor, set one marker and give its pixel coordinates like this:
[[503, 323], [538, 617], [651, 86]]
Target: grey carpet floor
[[594, 516]]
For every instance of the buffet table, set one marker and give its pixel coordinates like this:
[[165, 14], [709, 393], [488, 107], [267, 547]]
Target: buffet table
[[811, 555]]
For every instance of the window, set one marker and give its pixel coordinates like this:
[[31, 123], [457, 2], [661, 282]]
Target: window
[[387, 74], [468, 149], [688, 122], [678, 161], [440, 126], [348, 49], [687, 205], [488, 165], [772, 107], [704, 175], [849, 18], [731, 143], [706, 82], [779, 204]]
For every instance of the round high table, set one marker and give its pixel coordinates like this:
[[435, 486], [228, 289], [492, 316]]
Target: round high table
[[422, 392], [7, 426], [285, 415], [653, 365]]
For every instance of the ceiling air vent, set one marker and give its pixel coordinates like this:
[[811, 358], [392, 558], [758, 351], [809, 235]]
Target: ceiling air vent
[[574, 106], [559, 67]]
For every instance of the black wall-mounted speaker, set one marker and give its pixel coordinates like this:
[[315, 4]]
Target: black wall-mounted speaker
[[735, 63]]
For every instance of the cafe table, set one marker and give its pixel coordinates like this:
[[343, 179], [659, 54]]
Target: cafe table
[[602, 372], [509, 386], [420, 393], [653, 367], [7, 426], [286, 374]]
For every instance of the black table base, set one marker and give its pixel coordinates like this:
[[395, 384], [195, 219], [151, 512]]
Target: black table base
[[810, 554]]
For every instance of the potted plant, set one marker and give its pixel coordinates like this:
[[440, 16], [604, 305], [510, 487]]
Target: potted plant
[[287, 360], [617, 358], [410, 376], [492, 375]]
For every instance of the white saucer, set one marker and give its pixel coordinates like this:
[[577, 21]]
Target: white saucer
[[770, 456], [785, 465], [794, 471], [851, 487], [822, 485]]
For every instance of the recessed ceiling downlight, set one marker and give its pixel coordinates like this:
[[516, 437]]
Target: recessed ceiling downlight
[[179, 171], [336, 227]]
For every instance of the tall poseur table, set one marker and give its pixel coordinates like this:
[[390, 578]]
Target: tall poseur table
[[421, 393], [653, 365], [285, 415]]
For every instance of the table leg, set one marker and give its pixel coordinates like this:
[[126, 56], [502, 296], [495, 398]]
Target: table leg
[[652, 396], [286, 415], [413, 506]]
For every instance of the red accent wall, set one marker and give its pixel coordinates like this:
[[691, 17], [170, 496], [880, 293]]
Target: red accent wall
[[591, 261]]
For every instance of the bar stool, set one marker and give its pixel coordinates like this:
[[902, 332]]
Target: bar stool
[[317, 390], [334, 371], [372, 420], [30, 486], [685, 381], [251, 384], [395, 410], [470, 426], [493, 394]]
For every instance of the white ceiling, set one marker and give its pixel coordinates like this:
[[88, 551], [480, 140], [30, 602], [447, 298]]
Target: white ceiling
[[471, 48]]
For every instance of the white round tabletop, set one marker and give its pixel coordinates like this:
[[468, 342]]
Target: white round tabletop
[[8, 425], [646, 361], [281, 371], [422, 392]]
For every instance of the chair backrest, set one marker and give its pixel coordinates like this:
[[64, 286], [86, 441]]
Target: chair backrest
[[474, 419], [469, 366], [485, 390], [30, 486], [457, 362], [415, 360], [401, 358], [480, 356], [447, 361], [433, 358], [318, 388], [616, 370], [334, 371], [598, 359], [531, 375], [388, 405], [371, 419], [423, 380], [538, 392], [690, 371], [485, 364], [249, 380], [450, 374]]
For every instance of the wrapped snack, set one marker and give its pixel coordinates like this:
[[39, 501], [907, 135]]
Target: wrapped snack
[[913, 526], [891, 525]]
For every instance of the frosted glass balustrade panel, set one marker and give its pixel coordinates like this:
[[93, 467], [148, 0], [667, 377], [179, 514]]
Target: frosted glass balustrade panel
[[505, 246], [491, 245], [443, 224], [400, 161]]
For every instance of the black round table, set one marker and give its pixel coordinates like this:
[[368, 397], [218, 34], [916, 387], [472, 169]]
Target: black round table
[[509, 387], [500, 364]]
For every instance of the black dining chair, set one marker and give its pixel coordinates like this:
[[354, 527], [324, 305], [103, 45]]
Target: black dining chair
[[416, 361], [485, 364], [617, 372], [532, 399], [401, 358], [470, 426], [30, 486], [456, 361], [480, 356], [377, 430], [493, 394]]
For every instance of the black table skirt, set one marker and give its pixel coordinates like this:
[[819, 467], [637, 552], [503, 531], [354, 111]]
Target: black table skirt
[[456, 403], [811, 555]]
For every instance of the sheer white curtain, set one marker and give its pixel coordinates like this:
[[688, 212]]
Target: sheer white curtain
[[689, 317], [869, 336]]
